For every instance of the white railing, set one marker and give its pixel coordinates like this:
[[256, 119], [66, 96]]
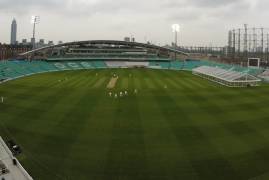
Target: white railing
[[22, 170]]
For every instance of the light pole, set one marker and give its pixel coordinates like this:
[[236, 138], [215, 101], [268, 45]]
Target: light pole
[[176, 29], [35, 20]]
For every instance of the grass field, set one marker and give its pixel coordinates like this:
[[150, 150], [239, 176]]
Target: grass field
[[192, 129]]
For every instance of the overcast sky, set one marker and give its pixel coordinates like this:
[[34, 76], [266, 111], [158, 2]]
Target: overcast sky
[[203, 22]]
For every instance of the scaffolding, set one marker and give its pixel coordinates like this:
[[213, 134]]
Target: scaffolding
[[249, 42]]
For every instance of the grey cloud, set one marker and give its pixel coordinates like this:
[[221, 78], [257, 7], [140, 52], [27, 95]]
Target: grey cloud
[[25, 4], [91, 7], [214, 3], [120, 16], [200, 3], [210, 9]]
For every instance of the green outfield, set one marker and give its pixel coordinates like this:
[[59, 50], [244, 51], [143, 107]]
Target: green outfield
[[177, 126]]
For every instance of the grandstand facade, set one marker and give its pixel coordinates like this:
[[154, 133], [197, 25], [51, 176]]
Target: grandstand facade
[[103, 50]]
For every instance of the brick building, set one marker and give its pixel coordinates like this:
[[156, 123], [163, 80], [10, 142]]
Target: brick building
[[11, 51]]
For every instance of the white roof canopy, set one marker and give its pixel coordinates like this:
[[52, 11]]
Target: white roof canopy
[[226, 75]]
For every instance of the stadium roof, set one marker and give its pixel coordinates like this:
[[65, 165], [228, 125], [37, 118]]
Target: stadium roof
[[109, 42]]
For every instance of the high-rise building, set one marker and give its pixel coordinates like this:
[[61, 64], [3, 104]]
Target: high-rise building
[[13, 38], [33, 42]]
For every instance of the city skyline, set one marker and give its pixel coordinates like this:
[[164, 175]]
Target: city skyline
[[205, 22]]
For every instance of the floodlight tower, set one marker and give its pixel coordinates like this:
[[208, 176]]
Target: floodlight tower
[[176, 29], [35, 20]]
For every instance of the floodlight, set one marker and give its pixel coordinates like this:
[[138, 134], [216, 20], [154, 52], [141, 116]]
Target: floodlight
[[35, 19], [175, 28]]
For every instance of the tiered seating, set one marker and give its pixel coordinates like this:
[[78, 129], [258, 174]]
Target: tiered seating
[[99, 64], [265, 73], [165, 65], [14, 69], [74, 65], [47, 66], [226, 77], [11, 70], [86, 65], [159, 65], [2, 72], [32, 67], [115, 64], [218, 72], [23, 67], [61, 66], [189, 65], [177, 65], [154, 65], [140, 64], [126, 64]]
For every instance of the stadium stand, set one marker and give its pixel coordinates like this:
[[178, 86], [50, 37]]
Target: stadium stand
[[99, 64], [159, 65], [61, 66], [15, 69], [86, 65], [190, 64], [225, 77], [126, 64], [264, 75], [137, 64], [177, 65], [74, 65], [115, 64]]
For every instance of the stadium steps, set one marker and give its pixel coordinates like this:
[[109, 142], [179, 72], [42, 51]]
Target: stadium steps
[[9, 70], [74, 65], [47, 66], [99, 64], [87, 65], [14, 69], [61, 66], [159, 65], [177, 65], [19, 67]]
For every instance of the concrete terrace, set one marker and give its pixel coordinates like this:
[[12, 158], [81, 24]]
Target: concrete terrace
[[13, 172]]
